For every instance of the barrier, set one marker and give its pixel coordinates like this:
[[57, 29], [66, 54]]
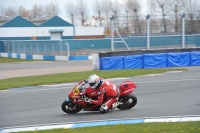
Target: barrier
[[44, 57], [109, 63], [160, 60], [135, 61], [154, 60], [195, 58]]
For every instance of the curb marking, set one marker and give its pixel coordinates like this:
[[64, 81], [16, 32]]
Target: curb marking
[[101, 123]]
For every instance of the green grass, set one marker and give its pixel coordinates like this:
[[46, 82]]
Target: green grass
[[11, 60], [15, 60], [168, 127], [75, 77]]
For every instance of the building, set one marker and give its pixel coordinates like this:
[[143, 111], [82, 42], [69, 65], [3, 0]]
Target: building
[[44, 28]]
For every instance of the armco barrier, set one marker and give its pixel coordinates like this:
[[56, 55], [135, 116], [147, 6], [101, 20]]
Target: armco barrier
[[160, 60], [44, 57]]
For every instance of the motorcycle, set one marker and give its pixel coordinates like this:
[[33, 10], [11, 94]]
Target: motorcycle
[[79, 94]]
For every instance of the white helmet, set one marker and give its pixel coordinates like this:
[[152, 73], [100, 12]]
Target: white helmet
[[94, 81]]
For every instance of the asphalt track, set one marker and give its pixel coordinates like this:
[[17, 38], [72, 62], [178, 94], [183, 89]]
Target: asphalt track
[[168, 94]]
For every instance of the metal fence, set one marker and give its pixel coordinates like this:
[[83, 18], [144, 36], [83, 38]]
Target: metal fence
[[168, 30], [37, 47], [125, 33]]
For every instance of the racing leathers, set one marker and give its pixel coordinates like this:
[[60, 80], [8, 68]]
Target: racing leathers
[[108, 91]]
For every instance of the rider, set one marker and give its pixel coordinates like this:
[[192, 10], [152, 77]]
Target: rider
[[105, 89]]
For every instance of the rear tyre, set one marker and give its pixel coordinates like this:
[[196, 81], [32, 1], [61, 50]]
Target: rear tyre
[[70, 108], [129, 101]]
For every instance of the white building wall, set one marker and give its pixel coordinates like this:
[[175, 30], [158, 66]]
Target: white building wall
[[44, 31], [84, 31], [18, 32]]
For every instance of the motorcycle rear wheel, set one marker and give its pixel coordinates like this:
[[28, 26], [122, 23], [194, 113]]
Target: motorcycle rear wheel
[[70, 108], [126, 102]]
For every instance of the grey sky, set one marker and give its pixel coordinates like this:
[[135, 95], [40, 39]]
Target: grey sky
[[29, 3]]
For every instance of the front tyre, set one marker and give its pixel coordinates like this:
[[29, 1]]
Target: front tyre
[[127, 101], [70, 108]]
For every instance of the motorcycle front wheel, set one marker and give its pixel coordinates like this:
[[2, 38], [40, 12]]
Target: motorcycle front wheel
[[70, 108], [127, 101]]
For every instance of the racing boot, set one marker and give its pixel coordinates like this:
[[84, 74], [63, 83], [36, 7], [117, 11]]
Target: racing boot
[[114, 105]]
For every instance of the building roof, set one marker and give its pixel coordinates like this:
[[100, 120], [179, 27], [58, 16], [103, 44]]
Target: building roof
[[18, 22], [55, 21], [40, 21]]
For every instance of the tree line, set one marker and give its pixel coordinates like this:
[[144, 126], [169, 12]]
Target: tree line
[[165, 14]]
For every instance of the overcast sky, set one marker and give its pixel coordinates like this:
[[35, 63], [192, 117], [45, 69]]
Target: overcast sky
[[29, 3]]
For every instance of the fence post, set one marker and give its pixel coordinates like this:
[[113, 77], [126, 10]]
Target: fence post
[[37, 48], [44, 48], [68, 53], [53, 53], [183, 30], [112, 31], [24, 47], [61, 48], [13, 47], [148, 31], [18, 47]]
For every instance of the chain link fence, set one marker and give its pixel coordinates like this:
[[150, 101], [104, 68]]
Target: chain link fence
[[137, 32]]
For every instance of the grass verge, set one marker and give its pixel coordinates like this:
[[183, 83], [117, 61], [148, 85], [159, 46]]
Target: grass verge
[[76, 76], [12, 60], [168, 127]]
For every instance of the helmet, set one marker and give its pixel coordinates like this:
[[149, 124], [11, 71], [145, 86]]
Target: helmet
[[94, 81]]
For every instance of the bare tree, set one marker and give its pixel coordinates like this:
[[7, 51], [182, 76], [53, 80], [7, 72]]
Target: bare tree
[[52, 9], [23, 12], [2, 11], [163, 5], [135, 7], [10, 11], [37, 10], [98, 7], [82, 11], [71, 11], [191, 9], [126, 10], [107, 9], [176, 6], [151, 5], [116, 9]]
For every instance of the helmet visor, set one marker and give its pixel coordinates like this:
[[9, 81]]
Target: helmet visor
[[91, 84]]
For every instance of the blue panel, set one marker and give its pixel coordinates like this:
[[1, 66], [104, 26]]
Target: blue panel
[[29, 57], [18, 55], [2, 46], [48, 57], [178, 59], [155, 60], [78, 57], [15, 38], [111, 63], [195, 58], [135, 61], [9, 55]]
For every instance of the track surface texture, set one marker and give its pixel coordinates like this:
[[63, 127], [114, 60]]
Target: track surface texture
[[10, 70], [168, 94]]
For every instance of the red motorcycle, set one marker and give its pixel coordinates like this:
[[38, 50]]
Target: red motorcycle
[[78, 96]]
